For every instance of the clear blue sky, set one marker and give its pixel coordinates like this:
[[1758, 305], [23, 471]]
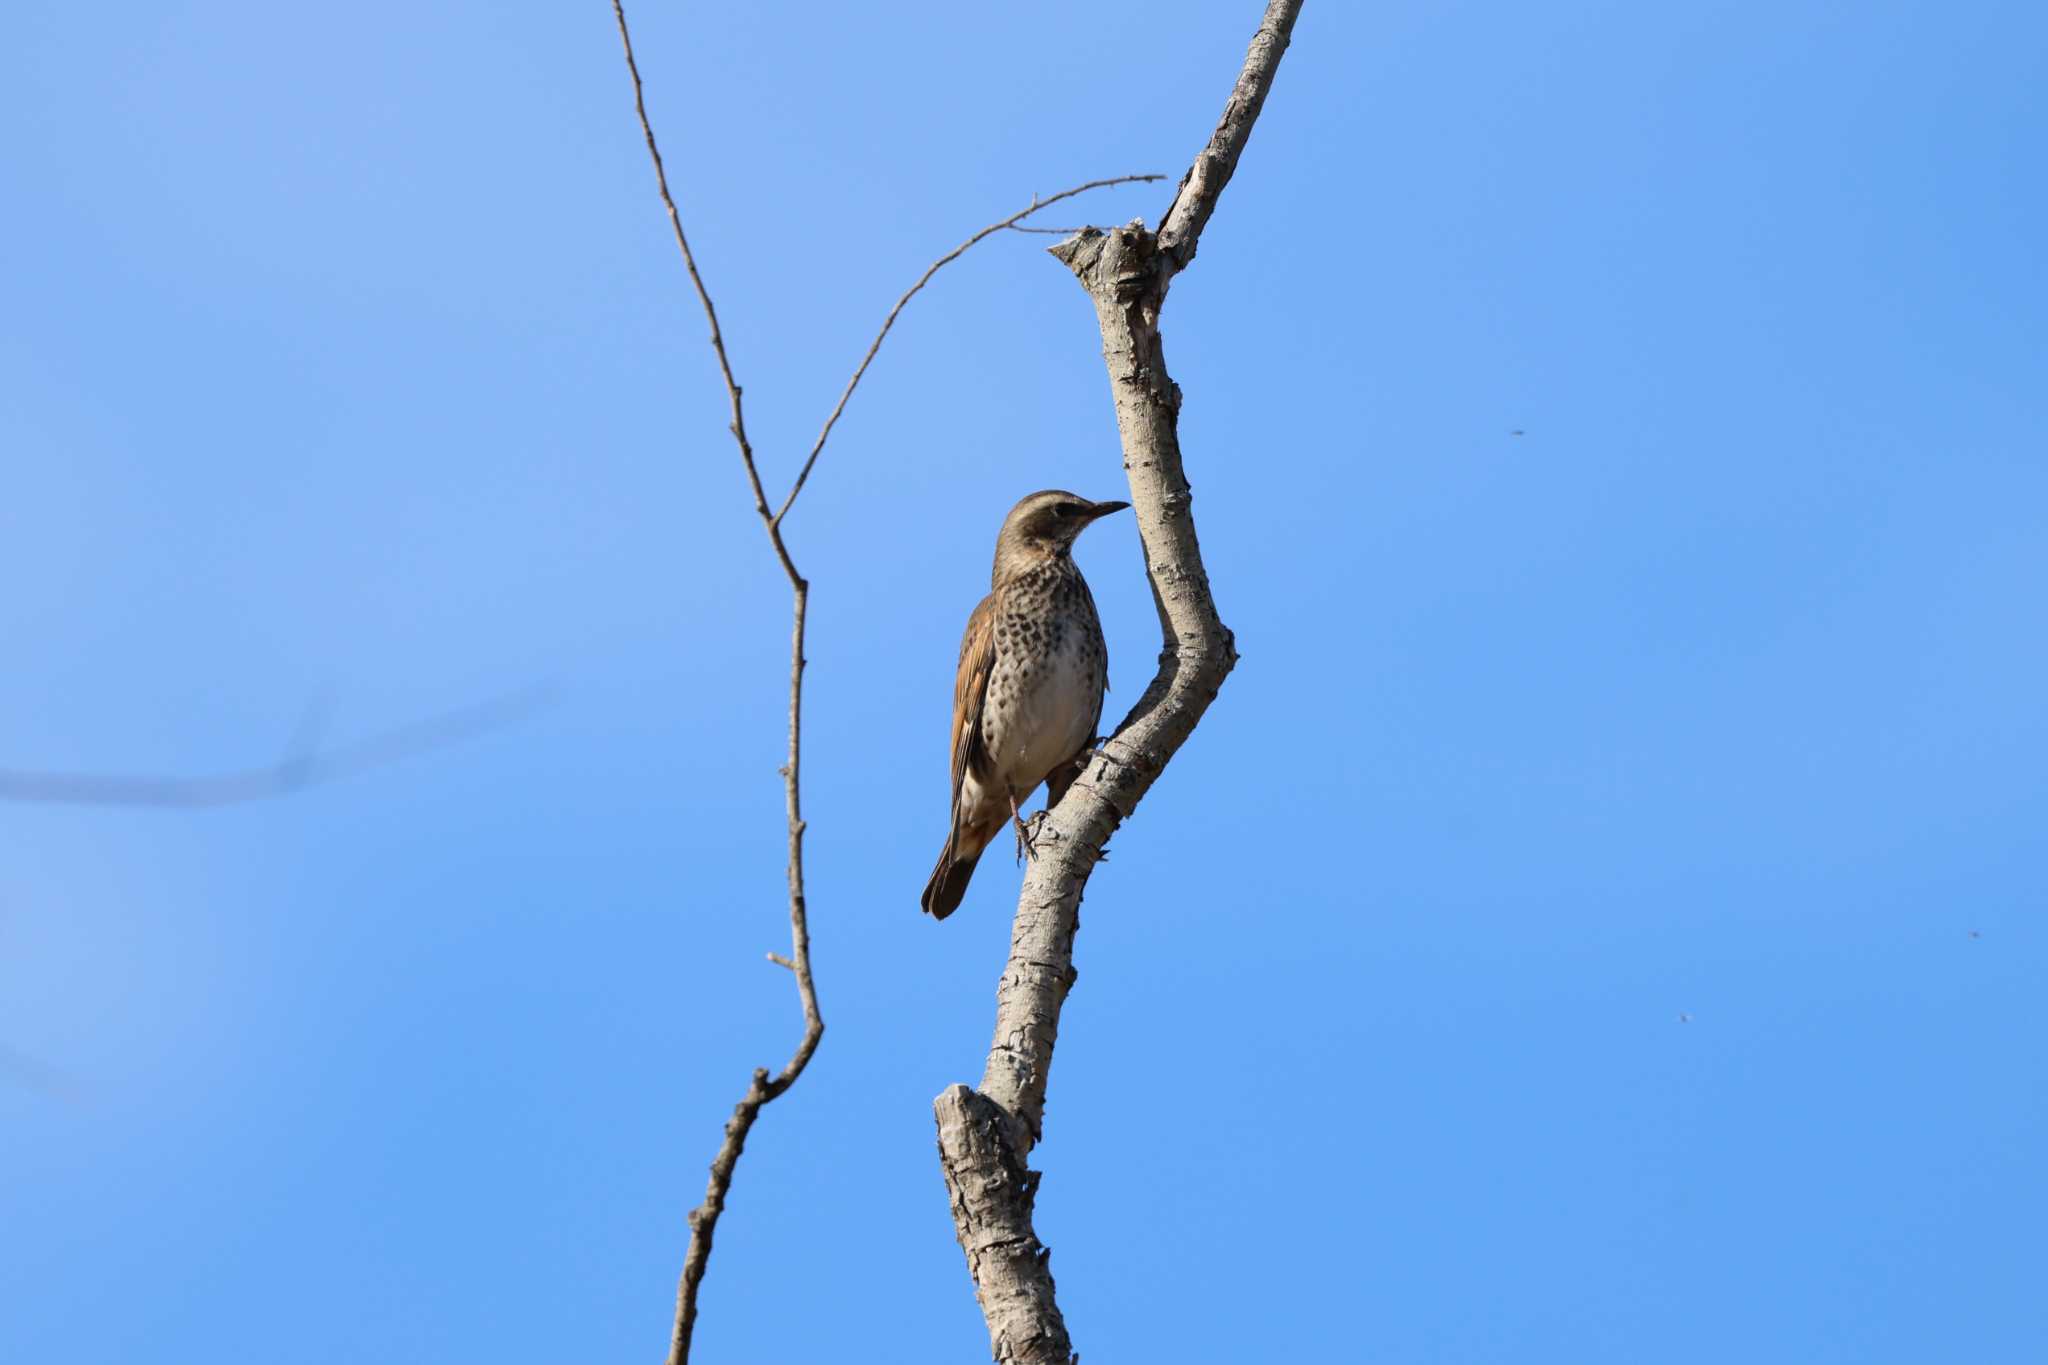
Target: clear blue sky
[[346, 356]]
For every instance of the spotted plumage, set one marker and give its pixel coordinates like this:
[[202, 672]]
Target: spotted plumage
[[1028, 694]]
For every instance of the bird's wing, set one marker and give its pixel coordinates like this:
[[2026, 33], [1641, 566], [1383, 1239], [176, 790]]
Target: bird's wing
[[1062, 777], [970, 690], [1095, 719]]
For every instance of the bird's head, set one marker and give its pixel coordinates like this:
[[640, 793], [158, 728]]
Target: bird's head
[[1048, 523]]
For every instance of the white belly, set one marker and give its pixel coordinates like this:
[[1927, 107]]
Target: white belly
[[1052, 714]]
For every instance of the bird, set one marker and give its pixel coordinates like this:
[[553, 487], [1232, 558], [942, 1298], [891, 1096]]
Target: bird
[[1028, 693]]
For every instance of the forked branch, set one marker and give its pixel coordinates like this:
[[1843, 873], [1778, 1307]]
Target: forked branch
[[986, 1136]]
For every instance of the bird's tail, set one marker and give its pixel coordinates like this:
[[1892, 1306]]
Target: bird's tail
[[949, 879]]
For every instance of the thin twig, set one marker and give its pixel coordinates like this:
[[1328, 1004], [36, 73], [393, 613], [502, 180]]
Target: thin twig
[[732, 388], [910, 293], [761, 1090], [299, 769]]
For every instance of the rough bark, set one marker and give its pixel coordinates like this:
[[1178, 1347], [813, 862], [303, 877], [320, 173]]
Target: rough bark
[[986, 1136]]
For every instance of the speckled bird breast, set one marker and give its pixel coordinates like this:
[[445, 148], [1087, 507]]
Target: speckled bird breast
[[1051, 667]]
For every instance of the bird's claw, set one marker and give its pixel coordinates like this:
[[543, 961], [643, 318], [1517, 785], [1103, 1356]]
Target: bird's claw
[[1027, 835]]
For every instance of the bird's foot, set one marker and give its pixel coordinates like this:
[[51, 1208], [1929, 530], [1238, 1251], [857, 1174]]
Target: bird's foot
[[1026, 845], [1027, 834]]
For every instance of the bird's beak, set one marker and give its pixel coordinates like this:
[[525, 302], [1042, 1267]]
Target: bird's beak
[[1103, 509]]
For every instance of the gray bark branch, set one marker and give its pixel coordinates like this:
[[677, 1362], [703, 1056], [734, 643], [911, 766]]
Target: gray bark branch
[[985, 1137]]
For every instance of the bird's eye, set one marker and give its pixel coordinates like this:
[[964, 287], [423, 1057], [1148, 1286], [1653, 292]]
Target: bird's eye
[[1062, 509]]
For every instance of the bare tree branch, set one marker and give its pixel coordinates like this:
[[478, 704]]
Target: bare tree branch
[[1181, 226], [763, 1089], [732, 387], [986, 1136], [299, 769]]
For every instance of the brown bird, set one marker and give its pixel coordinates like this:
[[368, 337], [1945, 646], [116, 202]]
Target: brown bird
[[1027, 699]]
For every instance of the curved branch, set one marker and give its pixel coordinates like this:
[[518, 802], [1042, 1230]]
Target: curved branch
[[931, 270], [986, 1137]]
